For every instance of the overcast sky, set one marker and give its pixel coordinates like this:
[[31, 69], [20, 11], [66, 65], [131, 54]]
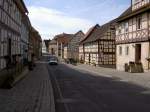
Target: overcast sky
[[51, 17]]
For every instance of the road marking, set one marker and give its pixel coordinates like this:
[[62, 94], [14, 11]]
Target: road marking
[[42, 62], [59, 90], [66, 100]]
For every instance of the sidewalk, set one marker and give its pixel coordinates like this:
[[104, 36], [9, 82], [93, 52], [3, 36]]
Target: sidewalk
[[141, 79], [32, 94]]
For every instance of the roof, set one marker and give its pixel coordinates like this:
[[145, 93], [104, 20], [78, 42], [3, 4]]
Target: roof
[[63, 35], [79, 32], [53, 41], [47, 42], [35, 32], [74, 36], [89, 32], [97, 32], [22, 5], [129, 13]]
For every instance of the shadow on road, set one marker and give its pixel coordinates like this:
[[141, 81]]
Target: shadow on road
[[86, 92]]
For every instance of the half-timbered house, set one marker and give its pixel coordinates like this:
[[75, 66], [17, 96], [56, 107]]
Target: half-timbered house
[[133, 35], [12, 13], [72, 48], [99, 45], [90, 46]]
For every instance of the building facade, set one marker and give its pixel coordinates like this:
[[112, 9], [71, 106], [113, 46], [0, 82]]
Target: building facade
[[35, 42], [81, 53], [25, 29], [14, 34], [62, 41], [133, 35], [71, 50], [11, 14], [47, 45], [99, 45], [53, 47], [44, 49]]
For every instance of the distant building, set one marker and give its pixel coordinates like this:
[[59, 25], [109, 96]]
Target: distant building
[[47, 45], [53, 47], [71, 50], [44, 49], [133, 36], [62, 41]]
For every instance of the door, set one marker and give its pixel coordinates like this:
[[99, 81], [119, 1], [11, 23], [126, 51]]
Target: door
[[52, 51], [138, 53], [9, 47]]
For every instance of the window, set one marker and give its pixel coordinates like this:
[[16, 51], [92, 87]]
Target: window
[[120, 50], [126, 27], [139, 23], [127, 50], [119, 31]]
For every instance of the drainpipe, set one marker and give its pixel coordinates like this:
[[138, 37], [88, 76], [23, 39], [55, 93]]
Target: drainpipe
[[149, 56], [149, 41]]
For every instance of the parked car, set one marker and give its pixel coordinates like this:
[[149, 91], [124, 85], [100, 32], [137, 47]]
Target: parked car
[[53, 61]]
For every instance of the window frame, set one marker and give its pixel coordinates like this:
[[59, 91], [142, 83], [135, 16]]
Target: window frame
[[127, 50], [139, 23]]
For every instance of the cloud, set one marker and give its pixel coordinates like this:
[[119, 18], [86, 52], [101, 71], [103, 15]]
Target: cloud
[[102, 11], [50, 22]]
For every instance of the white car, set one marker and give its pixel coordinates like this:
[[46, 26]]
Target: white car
[[53, 61]]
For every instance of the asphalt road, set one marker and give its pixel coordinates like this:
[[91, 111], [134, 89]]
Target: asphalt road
[[80, 91]]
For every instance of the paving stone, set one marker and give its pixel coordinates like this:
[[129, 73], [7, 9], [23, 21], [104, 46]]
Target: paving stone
[[33, 94]]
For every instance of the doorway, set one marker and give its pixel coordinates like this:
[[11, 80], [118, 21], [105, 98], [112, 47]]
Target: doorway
[[52, 51], [9, 47], [138, 53]]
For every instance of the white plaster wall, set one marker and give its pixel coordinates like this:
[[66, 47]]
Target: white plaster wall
[[122, 59], [145, 54]]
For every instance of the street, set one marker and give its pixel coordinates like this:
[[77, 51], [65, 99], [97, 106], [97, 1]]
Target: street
[[81, 91]]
